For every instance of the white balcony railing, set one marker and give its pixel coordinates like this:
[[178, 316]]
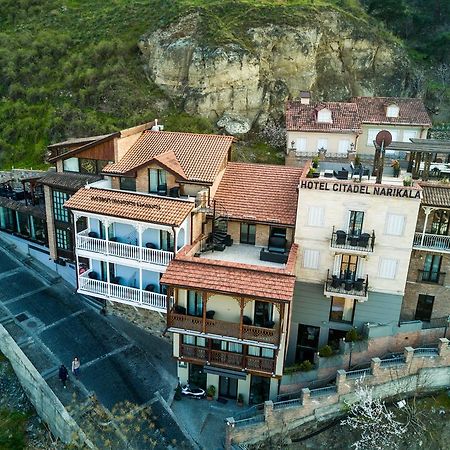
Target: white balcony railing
[[433, 242], [121, 294], [120, 250]]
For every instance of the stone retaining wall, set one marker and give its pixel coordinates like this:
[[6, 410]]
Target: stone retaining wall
[[46, 403]]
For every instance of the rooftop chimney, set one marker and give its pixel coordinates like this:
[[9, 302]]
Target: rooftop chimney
[[157, 127], [305, 97]]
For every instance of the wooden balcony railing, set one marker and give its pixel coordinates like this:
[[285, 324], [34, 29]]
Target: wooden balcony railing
[[228, 359], [222, 328]]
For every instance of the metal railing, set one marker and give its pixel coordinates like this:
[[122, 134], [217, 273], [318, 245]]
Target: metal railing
[[319, 392], [423, 351], [394, 361], [337, 285], [287, 403], [360, 373], [363, 243], [427, 241], [251, 420], [428, 276]]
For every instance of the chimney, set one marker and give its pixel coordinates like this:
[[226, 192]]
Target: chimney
[[157, 127], [305, 97]]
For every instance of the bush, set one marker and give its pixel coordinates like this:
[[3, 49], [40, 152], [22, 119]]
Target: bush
[[326, 351], [311, 173], [306, 366], [353, 336], [315, 162], [211, 391]]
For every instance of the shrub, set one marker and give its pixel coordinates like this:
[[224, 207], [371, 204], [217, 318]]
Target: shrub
[[306, 366], [311, 173], [353, 335], [326, 351], [315, 162], [211, 391]]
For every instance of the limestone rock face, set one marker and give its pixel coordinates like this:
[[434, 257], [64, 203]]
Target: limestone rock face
[[331, 57]]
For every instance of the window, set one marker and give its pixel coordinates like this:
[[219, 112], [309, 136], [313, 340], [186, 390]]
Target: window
[[395, 224], [248, 233], [431, 268], [344, 146], [88, 166], [61, 214], [394, 134], [157, 183], [388, 268], [324, 116], [316, 216], [424, 307], [63, 239], [409, 134], [311, 258], [322, 143], [301, 145], [127, 184], [71, 165], [342, 309], [355, 223], [307, 342], [230, 347], [263, 314], [193, 340], [349, 266], [371, 135], [194, 303], [440, 222], [392, 111], [260, 352], [167, 241]]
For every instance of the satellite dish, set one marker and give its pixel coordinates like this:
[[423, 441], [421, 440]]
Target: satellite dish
[[383, 138]]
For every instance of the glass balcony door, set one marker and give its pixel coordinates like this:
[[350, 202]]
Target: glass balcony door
[[355, 224]]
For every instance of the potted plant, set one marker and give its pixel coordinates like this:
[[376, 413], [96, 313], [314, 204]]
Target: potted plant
[[240, 399], [311, 173], [395, 164], [315, 162], [210, 392], [407, 181], [357, 160]]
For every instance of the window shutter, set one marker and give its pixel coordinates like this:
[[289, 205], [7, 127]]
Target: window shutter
[[409, 134], [388, 268], [322, 143], [371, 135], [344, 146], [311, 259], [316, 216], [395, 224], [337, 265], [394, 134], [301, 145]]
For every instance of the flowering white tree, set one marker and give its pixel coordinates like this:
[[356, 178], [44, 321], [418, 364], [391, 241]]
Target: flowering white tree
[[369, 415]]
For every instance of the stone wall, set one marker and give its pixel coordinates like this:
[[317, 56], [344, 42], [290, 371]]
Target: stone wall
[[417, 371], [47, 405]]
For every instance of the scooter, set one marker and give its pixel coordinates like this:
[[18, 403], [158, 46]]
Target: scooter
[[193, 392]]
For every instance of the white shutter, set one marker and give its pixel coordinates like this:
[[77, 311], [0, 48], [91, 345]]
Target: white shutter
[[301, 145], [315, 216], [409, 134], [371, 135], [395, 224], [322, 143], [337, 265], [360, 268], [388, 268], [394, 134], [311, 259], [344, 146]]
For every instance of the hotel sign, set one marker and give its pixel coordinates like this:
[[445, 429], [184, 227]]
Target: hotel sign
[[357, 188], [116, 201]]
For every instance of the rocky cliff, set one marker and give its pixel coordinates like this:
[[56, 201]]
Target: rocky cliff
[[245, 83]]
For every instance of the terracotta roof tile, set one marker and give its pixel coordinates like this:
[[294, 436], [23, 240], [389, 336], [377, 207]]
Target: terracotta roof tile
[[230, 278], [70, 181], [262, 192], [304, 117], [200, 155], [411, 110], [140, 207], [435, 195]]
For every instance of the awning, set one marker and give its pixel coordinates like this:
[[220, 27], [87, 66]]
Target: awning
[[225, 372]]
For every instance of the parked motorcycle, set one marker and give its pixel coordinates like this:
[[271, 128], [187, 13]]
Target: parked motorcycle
[[193, 392]]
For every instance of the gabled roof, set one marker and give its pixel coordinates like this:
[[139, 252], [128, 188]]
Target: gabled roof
[[302, 117], [435, 195], [200, 156], [133, 206], [80, 141], [169, 161], [259, 192], [412, 111], [70, 181]]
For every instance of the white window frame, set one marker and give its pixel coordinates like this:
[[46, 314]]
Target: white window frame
[[384, 265], [393, 216], [311, 259], [301, 145]]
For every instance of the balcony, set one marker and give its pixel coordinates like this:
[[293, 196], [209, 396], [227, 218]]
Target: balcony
[[120, 250], [222, 328], [221, 358], [431, 242], [362, 244], [122, 294], [430, 277], [357, 289]]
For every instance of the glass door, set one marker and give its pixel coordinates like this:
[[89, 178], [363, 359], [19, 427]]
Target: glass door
[[228, 387], [355, 223], [349, 265]]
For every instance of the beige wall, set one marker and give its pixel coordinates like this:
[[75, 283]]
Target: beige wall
[[50, 222], [312, 138], [363, 148], [336, 213], [60, 165]]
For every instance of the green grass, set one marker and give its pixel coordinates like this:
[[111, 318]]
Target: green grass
[[12, 430]]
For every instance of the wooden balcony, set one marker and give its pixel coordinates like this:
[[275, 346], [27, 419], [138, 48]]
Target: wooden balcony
[[121, 250], [230, 360], [431, 242], [222, 328]]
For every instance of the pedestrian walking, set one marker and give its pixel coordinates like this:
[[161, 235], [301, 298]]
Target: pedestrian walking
[[76, 366], [63, 374]]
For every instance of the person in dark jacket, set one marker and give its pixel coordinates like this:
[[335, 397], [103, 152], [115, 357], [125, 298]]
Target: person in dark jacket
[[63, 374]]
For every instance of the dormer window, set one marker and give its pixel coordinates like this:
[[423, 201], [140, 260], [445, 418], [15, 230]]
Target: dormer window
[[392, 111], [324, 116]]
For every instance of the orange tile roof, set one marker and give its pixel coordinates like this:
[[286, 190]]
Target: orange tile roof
[[435, 194], [412, 111], [259, 192], [139, 207], [199, 155], [232, 278], [304, 117]]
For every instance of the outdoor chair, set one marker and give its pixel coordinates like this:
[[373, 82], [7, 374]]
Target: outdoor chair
[[348, 285], [150, 288], [359, 284], [93, 234], [246, 320], [210, 314], [363, 240], [341, 237], [150, 245], [335, 282], [93, 275], [180, 309]]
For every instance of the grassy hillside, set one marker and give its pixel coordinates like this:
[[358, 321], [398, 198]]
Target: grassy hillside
[[72, 68]]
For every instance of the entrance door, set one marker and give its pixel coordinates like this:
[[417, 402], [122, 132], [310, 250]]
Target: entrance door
[[259, 389], [228, 387], [424, 307], [307, 342], [196, 376]]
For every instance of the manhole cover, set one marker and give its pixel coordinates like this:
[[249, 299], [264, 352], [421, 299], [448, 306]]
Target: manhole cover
[[21, 317]]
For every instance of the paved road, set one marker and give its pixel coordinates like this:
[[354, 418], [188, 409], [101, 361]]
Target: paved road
[[52, 324]]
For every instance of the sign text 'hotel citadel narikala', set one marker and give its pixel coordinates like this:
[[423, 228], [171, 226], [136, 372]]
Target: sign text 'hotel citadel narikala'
[[356, 188]]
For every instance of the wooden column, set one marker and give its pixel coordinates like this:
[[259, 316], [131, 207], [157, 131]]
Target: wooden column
[[168, 295], [417, 162], [204, 301], [241, 319]]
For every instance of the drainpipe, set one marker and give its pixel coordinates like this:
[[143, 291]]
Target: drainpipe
[[174, 241]]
